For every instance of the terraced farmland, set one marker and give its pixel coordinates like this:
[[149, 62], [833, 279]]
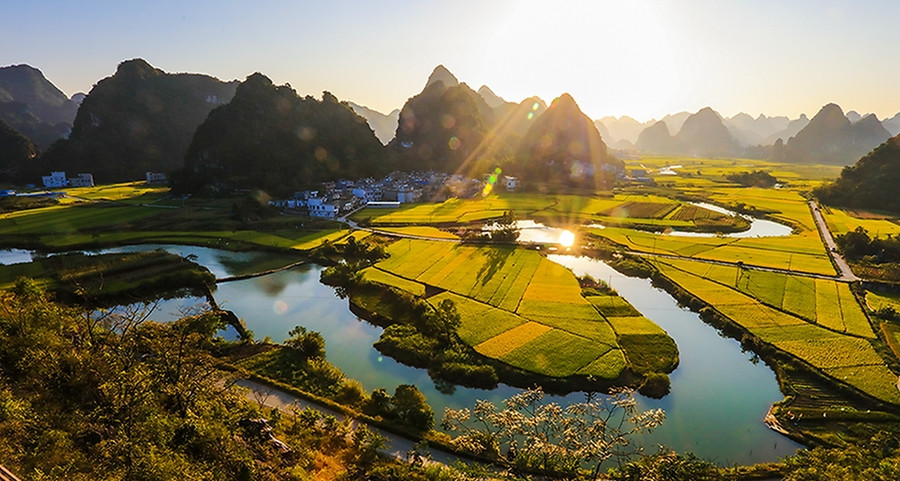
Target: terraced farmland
[[527, 311], [834, 336]]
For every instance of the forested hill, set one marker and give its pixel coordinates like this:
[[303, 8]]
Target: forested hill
[[140, 119], [871, 183], [15, 151], [443, 128], [564, 148], [269, 138]]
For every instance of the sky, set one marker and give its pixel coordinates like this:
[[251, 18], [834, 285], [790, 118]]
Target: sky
[[642, 58]]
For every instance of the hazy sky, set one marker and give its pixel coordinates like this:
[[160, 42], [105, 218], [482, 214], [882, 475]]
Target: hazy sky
[[642, 58]]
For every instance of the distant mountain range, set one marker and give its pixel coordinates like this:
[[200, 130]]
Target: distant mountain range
[[384, 125], [32, 105], [831, 138], [143, 119]]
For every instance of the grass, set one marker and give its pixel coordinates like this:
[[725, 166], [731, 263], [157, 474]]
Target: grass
[[478, 321], [106, 278], [801, 252], [892, 335], [879, 300]]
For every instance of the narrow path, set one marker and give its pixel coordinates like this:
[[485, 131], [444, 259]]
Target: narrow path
[[260, 274], [398, 446], [831, 246]]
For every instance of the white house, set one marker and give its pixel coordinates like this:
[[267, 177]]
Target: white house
[[156, 178], [55, 179], [83, 180], [319, 207]]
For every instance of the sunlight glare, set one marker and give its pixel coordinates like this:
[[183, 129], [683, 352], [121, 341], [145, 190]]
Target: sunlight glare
[[566, 238]]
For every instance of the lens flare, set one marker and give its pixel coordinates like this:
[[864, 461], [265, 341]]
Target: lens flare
[[280, 307], [454, 143], [491, 182], [566, 238]]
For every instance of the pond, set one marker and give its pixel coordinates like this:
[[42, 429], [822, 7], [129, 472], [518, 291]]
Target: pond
[[531, 232], [715, 410]]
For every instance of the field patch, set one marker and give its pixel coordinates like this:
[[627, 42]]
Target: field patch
[[608, 366], [478, 321], [502, 344], [613, 306], [386, 278], [556, 353]]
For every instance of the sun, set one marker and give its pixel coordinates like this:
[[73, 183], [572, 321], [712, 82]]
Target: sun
[[566, 238], [613, 57]]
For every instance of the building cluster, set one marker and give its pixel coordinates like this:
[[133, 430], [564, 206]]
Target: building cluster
[[335, 199], [59, 179]]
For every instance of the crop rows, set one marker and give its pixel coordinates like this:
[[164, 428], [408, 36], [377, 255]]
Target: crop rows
[[478, 321], [642, 210], [523, 309], [613, 306], [693, 212], [556, 353], [504, 343], [852, 360], [386, 278]]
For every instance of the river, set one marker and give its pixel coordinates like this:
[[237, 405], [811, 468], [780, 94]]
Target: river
[[719, 394]]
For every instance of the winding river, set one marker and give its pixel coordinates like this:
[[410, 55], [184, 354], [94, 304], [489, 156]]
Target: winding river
[[715, 409]]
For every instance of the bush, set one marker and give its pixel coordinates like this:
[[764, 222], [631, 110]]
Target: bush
[[656, 385], [479, 376]]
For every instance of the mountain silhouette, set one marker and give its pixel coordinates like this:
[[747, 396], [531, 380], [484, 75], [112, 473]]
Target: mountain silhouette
[[441, 74], [563, 148], [269, 138], [656, 139], [830, 138], [32, 105], [138, 120], [490, 97], [704, 134], [384, 125]]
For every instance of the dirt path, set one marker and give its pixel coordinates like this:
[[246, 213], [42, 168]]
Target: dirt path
[[846, 273]]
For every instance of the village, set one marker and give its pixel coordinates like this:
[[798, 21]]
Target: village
[[341, 197]]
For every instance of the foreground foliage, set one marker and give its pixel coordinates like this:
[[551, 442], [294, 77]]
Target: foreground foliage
[[529, 435]]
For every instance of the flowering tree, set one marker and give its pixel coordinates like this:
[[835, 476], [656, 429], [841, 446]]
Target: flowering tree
[[531, 435]]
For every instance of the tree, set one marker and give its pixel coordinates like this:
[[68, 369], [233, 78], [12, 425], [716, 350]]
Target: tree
[[411, 407], [505, 229], [442, 322], [309, 344], [531, 435]]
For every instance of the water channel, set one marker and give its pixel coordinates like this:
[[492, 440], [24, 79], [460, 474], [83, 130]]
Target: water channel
[[719, 395]]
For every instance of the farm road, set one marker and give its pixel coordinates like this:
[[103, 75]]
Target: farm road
[[846, 273]]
